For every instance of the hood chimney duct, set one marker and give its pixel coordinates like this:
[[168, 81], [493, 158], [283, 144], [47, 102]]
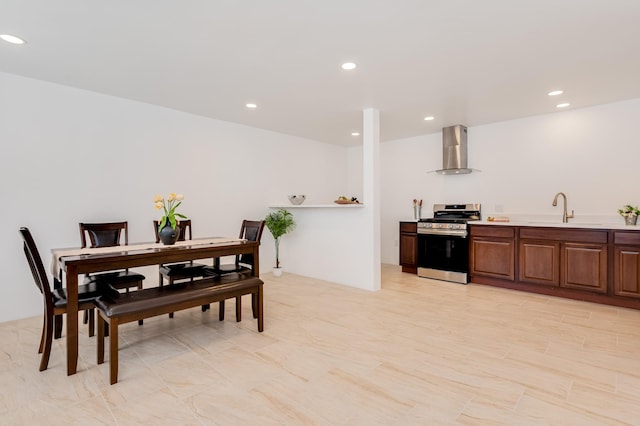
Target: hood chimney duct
[[454, 150]]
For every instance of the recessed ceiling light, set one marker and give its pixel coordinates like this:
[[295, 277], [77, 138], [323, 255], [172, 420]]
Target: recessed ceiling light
[[12, 39], [429, 118], [355, 134], [252, 106], [563, 105], [348, 66], [555, 93]]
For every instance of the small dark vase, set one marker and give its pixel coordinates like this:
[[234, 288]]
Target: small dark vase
[[169, 236]]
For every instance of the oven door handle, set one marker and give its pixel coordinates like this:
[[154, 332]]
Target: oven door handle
[[446, 232]]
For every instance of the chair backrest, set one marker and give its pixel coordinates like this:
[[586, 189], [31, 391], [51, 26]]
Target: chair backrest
[[185, 226], [37, 268], [250, 230], [104, 234]]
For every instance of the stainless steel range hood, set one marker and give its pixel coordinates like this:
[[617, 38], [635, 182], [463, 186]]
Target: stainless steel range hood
[[454, 151]]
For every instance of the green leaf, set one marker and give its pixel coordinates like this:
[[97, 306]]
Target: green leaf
[[163, 222]]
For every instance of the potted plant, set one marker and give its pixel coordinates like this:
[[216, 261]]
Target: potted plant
[[168, 229], [630, 214], [279, 223]]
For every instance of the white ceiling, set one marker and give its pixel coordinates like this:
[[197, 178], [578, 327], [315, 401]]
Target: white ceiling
[[466, 62]]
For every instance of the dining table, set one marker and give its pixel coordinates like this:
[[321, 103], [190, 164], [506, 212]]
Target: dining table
[[69, 263]]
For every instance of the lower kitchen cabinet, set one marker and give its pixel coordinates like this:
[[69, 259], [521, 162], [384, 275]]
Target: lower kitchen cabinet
[[539, 262], [409, 247], [492, 252], [584, 267], [626, 255], [568, 258], [597, 265]]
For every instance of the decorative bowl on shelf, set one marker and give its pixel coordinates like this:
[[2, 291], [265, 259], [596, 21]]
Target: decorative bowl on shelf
[[296, 200]]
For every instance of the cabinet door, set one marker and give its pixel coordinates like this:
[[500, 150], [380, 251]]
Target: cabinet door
[[584, 267], [409, 252], [539, 262], [492, 257], [627, 271]]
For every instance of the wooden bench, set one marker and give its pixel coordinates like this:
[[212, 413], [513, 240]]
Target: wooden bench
[[149, 302]]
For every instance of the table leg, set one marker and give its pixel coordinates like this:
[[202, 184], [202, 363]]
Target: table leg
[[255, 270], [72, 320]]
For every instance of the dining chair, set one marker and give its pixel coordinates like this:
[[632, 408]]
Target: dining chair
[[110, 235], [179, 271], [250, 230], [55, 302]]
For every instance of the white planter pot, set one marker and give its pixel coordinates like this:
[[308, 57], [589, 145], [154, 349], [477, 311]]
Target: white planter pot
[[277, 272]]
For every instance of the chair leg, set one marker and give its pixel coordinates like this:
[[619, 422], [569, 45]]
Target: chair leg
[[48, 337], [140, 322], [254, 305], [205, 307], [57, 326], [238, 308], [170, 283], [221, 312], [44, 332], [260, 309], [113, 351], [100, 346], [92, 315]]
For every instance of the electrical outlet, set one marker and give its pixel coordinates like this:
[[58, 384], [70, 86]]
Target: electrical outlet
[[499, 208]]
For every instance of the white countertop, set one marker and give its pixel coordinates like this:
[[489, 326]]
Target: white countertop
[[587, 225], [585, 222]]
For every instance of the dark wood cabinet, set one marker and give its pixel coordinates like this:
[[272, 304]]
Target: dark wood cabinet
[[409, 247], [584, 267], [596, 265], [539, 262], [564, 257], [492, 252], [626, 256]]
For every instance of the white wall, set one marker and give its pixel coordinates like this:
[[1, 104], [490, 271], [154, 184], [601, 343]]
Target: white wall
[[71, 155], [591, 154]]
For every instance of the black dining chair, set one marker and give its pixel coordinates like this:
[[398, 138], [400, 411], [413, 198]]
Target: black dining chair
[[250, 230], [109, 235], [55, 301]]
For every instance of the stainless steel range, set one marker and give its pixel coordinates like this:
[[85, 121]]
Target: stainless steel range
[[443, 242]]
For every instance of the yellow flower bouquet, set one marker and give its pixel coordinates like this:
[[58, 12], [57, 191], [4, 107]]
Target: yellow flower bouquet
[[169, 205]]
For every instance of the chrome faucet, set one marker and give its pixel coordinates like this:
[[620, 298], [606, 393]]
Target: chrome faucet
[[565, 215]]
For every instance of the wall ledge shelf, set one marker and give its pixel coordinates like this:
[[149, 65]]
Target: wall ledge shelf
[[316, 206]]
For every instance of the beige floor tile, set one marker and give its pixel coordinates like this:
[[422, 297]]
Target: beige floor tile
[[418, 352]]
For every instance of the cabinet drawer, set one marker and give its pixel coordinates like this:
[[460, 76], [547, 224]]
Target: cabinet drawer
[[626, 237], [492, 231], [564, 235], [409, 227]]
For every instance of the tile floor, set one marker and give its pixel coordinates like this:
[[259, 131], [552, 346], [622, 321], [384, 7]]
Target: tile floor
[[418, 352]]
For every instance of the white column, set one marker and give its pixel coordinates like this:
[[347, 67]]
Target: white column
[[371, 193]]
